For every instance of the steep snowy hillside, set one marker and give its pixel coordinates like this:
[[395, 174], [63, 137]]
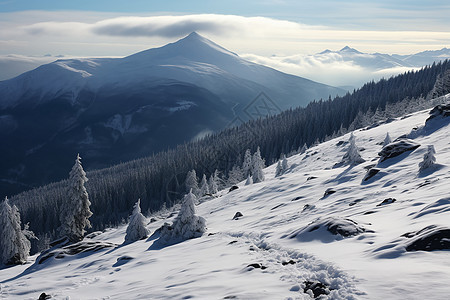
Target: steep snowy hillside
[[119, 109], [322, 227]]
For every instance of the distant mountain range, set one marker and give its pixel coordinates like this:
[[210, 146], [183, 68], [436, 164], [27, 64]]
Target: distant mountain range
[[117, 109], [378, 61], [348, 67]]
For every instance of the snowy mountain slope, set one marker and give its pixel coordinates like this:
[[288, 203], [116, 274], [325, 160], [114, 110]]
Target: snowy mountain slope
[[68, 106], [197, 56], [372, 264]]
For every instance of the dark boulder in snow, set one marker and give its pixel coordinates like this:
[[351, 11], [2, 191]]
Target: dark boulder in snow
[[329, 191], [122, 260], [344, 227], [329, 229], [237, 215], [396, 148], [316, 288], [308, 207], [234, 187], [442, 110], [257, 266], [370, 173], [430, 238], [354, 202], [290, 262], [44, 296], [387, 201], [278, 206], [73, 249]]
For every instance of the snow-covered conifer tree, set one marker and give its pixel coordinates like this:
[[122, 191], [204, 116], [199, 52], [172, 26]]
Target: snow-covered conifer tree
[[249, 180], [204, 188], [303, 149], [187, 224], [387, 139], [75, 212], [284, 163], [247, 164], [213, 183], [136, 227], [278, 170], [352, 156], [429, 159], [235, 175], [257, 167], [14, 244], [192, 182], [282, 166]]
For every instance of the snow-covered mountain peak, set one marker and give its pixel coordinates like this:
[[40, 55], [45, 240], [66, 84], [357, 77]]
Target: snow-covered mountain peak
[[349, 50], [193, 47]]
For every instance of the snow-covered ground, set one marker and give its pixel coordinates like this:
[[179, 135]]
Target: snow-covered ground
[[273, 233]]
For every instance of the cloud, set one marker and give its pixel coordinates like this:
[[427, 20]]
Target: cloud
[[265, 35], [172, 26], [328, 68], [168, 26], [57, 28]]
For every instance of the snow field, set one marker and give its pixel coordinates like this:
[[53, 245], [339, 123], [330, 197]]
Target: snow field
[[371, 265]]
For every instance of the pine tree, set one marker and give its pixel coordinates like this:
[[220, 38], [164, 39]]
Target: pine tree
[[235, 175], [249, 180], [303, 149], [257, 167], [192, 182], [212, 184], [136, 227], [187, 224], [278, 170], [282, 166], [352, 156], [429, 159], [75, 212], [14, 244], [284, 163], [387, 139], [204, 188], [247, 164]]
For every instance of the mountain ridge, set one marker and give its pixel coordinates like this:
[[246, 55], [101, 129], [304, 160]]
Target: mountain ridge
[[68, 106]]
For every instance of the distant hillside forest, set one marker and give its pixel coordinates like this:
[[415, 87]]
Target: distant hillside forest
[[158, 180]]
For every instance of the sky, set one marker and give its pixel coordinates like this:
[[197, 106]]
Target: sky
[[33, 28]]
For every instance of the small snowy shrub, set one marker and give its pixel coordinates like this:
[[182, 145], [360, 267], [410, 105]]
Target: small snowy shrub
[[429, 159], [387, 139], [187, 224], [249, 180], [136, 227], [352, 155]]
